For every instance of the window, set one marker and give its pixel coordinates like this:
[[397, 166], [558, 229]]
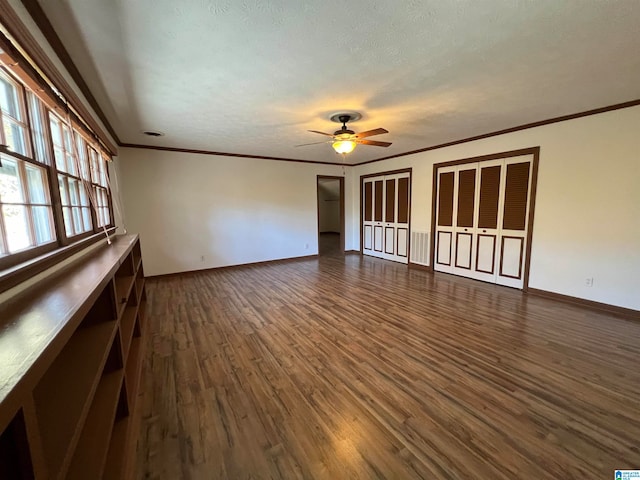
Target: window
[[74, 198], [44, 155], [38, 131], [62, 148], [100, 187], [27, 215], [14, 128]]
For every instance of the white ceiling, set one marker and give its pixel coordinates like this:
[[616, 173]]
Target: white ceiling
[[253, 76]]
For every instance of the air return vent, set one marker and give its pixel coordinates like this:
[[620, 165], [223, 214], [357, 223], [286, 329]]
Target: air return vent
[[420, 248]]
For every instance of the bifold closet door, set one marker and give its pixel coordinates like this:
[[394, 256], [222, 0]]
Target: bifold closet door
[[445, 207], [481, 220], [514, 222], [464, 226], [385, 230], [373, 190], [487, 220]]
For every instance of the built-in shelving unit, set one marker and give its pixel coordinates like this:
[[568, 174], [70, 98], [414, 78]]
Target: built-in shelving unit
[[71, 355]]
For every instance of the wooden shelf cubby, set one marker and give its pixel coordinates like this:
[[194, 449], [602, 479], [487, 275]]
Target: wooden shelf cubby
[[67, 397], [124, 281], [139, 282], [116, 459], [63, 395], [15, 458], [91, 452], [136, 253], [127, 322], [132, 371]]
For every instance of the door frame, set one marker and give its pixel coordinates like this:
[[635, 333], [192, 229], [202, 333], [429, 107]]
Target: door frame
[[342, 217], [378, 174], [535, 152]]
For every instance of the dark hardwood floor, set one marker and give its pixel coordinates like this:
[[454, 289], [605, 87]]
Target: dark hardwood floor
[[353, 367], [328, 243]]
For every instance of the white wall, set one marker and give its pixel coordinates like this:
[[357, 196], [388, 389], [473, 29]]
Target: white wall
[[236, 210], [228, 210], [20, 10], [587, 214]]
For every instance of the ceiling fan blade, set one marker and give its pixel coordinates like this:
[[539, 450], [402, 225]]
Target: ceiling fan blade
[[369, 133], [314, 143], [374, 143], [321, 133]]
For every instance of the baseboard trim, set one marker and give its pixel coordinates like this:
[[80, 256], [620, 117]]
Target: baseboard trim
[[424, 268], [604, 307], [233, 267], [352, 252]]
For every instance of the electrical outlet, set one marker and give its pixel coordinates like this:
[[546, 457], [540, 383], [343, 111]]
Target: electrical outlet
[[202, 258], [589, 282], [306, 246]]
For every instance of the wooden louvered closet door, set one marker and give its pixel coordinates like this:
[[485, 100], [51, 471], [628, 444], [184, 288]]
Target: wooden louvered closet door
[[464, 225], [368, 222], [482, 210], [514, 222], [385, 217], [445, 204], [487, 231]]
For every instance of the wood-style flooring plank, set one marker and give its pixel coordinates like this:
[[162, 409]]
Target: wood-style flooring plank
[[354, 367]]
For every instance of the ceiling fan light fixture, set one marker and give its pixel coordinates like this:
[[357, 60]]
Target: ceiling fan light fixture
[[344, 146]]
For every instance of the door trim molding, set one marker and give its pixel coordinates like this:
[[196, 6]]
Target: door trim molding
[[535, 152], [379, 174]]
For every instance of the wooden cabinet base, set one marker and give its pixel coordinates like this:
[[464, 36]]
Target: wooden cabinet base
[[71, 352]]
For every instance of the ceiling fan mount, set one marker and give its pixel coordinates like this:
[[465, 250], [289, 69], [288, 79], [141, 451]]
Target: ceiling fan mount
[[344, 117]]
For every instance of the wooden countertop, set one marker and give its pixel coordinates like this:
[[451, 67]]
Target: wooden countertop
[[35, 328]]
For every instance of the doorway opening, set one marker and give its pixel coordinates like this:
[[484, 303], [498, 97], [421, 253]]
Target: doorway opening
[[330, 215]]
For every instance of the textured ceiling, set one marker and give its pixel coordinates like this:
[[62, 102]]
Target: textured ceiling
[[253, 76]]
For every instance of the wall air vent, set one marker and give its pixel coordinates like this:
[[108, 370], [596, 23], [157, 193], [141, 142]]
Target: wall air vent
[[420, 248]]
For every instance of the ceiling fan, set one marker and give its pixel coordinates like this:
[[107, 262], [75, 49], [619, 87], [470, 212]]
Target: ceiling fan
[[345, 140]]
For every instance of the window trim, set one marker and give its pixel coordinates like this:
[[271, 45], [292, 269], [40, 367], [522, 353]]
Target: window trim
[[45, 75], [47, 258], [21, 98], [26, 64], [78, 132]]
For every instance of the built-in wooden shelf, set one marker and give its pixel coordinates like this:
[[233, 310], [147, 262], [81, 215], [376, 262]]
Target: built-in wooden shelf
[[126, 327], [71, 353], [15, 460], [123, 289], [115, 457], [91, 452], [132, 373], [136, 254], [63, 395], [139, 282], [142, 308]]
